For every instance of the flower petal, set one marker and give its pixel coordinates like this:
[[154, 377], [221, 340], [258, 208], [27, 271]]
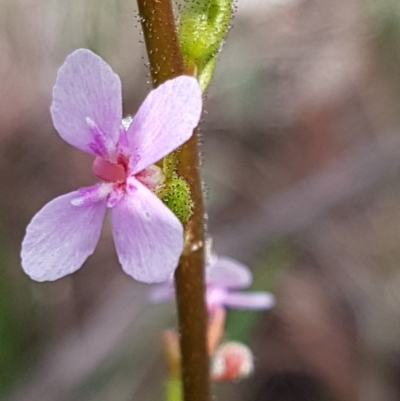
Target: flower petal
[[87, 103], [148, 236], [227, 273], [162, 292], [165, 121], [60, 237], [249, 300]]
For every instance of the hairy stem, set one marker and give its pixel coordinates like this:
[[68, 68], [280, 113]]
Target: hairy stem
[[166, 62], [158, 24]]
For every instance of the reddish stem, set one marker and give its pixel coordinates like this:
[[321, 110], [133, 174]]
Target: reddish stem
[[166, 62]]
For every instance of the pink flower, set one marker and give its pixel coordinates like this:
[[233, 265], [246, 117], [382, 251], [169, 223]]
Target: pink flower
[[87, 113], [223, 276]]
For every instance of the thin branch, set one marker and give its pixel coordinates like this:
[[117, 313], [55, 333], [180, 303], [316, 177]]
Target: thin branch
[[365, 165], [67, 364]]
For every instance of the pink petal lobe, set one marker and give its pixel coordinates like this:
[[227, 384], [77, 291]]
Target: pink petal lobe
[[87, 103], [249, 300], [147, 235], [165, 121], [60, 237], [227, 273]]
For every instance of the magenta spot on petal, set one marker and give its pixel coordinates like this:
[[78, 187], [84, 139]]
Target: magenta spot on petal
[[131, 187], [135, 159], [100, 140], [112, 202]]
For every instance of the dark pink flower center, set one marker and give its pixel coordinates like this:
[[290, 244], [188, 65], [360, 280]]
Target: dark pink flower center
[[110, 172]]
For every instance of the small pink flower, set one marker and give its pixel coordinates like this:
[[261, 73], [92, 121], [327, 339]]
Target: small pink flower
[[87, 113], [223, 276]]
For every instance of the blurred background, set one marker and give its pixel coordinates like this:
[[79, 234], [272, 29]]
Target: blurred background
[[301, 150]]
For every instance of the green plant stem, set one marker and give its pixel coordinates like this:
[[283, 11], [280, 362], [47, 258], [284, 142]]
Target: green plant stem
[[173, 389], [166, 62]]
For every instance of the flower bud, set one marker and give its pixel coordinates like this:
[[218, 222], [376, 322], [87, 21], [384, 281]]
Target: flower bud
[[172, 352], [202, 29], [204, 76], [176, 194], [216, 326], [232, 361]]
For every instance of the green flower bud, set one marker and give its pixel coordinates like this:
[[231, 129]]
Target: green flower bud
[[202, 29], [175, 193], [204, 76], [168, 165]]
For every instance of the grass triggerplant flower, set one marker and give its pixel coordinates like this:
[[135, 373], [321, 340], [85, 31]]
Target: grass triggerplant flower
[[223, 277], [87, 113]]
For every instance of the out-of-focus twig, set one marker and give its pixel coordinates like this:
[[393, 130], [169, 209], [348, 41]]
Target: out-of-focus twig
[[67, 364], [364, 167]]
